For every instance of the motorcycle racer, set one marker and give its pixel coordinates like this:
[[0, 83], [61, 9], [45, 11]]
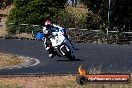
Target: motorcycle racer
[[49, 31]]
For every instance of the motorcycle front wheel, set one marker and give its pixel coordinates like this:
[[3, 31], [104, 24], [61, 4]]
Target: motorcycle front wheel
[[65, 49]]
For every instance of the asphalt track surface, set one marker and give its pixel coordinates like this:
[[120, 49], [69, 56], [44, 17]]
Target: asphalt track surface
[[105, 58]]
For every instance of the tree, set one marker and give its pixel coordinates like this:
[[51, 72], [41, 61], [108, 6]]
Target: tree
[[33, 11], [120, 13], [92, 4]]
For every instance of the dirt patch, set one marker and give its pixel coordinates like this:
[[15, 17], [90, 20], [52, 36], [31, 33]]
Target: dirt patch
[[68, 81], [10, 60], [3, 31], [42, 82], [4, 13]]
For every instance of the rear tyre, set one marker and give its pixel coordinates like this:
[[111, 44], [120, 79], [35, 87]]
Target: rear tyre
[[67, 53]]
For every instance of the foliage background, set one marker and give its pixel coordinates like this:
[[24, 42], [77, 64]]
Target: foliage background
[[120, 14], [33, 11]]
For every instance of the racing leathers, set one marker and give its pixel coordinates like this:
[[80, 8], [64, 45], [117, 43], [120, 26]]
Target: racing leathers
[[52, 31]]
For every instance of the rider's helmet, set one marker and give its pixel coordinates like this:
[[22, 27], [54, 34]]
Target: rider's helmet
[[47, 29], [48, 22]]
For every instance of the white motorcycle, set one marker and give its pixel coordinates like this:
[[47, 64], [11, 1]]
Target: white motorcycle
[[62, 46]]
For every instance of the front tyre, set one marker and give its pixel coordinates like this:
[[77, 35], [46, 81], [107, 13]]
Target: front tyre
[[67, 52]]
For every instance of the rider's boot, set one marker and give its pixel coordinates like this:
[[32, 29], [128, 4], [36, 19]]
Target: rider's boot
[[51, 52], [50, 55]]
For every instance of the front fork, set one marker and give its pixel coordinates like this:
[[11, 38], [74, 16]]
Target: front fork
[[70, 46]]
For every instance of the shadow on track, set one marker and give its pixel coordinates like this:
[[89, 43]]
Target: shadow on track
[[76, 49], [70, 61]]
